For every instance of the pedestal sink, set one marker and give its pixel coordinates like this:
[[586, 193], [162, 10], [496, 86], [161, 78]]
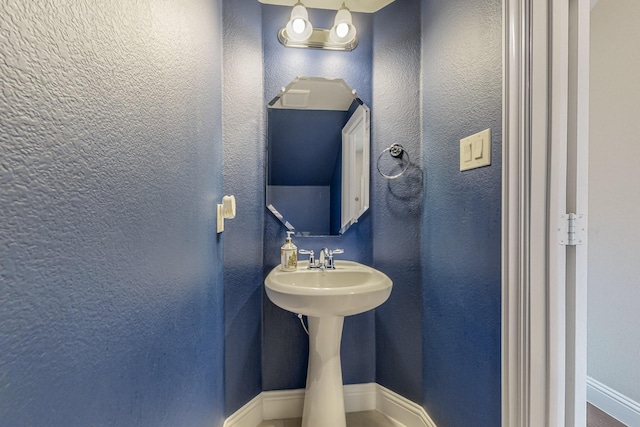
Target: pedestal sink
[[326, 296]]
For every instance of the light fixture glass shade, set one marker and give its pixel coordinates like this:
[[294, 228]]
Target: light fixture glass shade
[[299, 28], [343, 30]]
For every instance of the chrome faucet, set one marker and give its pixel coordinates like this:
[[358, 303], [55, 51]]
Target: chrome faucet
[[325, 259], [324, 256]]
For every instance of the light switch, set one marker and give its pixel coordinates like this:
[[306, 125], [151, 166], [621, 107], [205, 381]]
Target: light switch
[[467, 152], [475, 150]]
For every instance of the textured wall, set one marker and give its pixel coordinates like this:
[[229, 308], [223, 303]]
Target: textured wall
[[614, 232], [285, 345], [396, 204], [243, 148], [462, 87], [110, 162]]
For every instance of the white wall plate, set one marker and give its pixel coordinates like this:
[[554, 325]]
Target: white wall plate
[[475, 150]]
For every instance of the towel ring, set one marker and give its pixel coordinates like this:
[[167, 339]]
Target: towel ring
[[399, 159]]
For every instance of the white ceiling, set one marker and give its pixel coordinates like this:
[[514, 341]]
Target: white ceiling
[[364, 6], [315, 93]]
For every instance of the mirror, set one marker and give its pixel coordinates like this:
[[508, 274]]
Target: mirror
[[318, 156]]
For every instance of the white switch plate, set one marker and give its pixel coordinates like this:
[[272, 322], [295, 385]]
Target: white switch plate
[[475, 150]]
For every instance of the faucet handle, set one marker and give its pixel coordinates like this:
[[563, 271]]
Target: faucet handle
[[330, 263], [312, 260]]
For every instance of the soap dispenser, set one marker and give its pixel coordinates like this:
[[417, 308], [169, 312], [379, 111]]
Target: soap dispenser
[[289, 255]]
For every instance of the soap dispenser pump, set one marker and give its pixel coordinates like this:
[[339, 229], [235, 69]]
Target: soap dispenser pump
[[289, 255]]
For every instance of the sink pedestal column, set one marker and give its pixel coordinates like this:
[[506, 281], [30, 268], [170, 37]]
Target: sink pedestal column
[[324, 397]]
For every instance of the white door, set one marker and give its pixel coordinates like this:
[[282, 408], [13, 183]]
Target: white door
[[545, 178]]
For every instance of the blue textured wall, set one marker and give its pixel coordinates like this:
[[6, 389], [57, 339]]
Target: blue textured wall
[[462, 89], [396, 204], [285, 344], [243, 126], [110, 164]]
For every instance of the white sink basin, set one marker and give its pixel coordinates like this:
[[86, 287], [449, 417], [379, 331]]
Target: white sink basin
[[351, 288]]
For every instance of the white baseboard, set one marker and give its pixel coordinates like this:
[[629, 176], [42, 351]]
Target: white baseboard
[[273, 405], [613, 403], [282, 404], [402, 409], [250, 415]]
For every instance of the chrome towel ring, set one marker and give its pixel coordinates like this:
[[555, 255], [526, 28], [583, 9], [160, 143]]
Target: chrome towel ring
[[395, 164]]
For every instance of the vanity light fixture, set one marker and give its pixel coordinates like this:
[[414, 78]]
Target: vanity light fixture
[[300, 33]]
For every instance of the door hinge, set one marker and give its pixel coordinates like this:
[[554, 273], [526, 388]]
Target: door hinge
[[572, 229]]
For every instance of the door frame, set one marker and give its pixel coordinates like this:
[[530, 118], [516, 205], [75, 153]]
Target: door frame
[[545, 152]]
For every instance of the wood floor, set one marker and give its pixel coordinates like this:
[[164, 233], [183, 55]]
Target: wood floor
[[354, 419], [595, 418], [598, 418]]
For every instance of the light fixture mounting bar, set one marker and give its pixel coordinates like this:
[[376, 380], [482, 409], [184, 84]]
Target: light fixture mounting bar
[[319, 39]]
